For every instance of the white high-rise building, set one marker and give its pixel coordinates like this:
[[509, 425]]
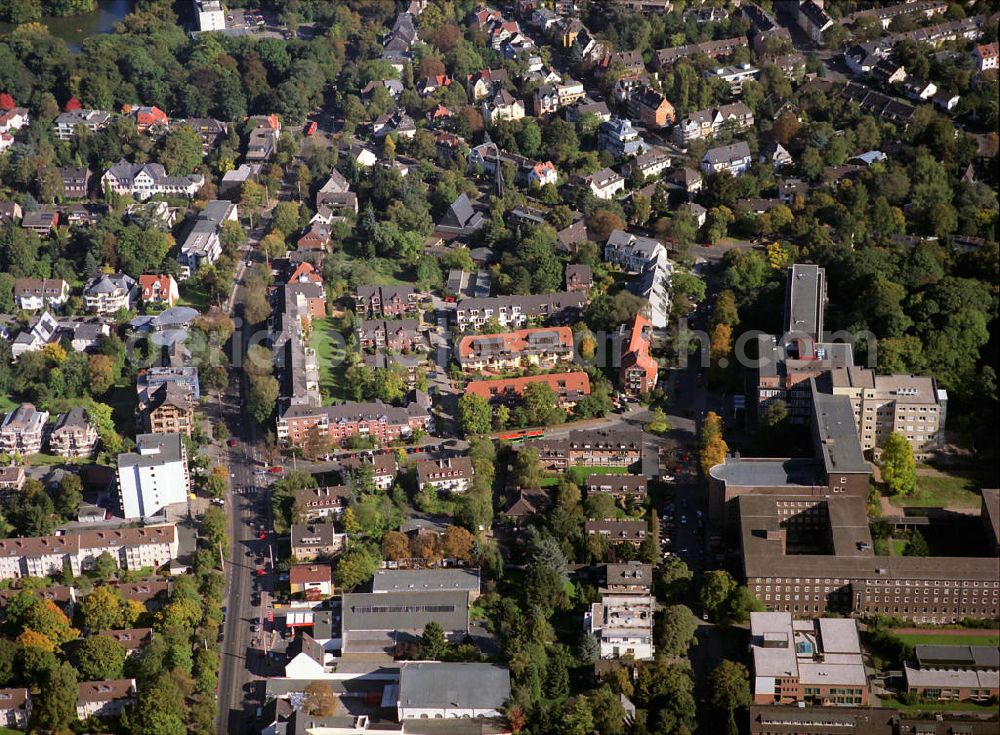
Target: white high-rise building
[[154, 475]]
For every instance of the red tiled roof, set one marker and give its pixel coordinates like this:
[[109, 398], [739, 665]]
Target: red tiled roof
[[515, 341], [561, 383]]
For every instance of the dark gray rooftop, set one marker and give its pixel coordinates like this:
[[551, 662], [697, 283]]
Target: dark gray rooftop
[[405, 611], [833, 418], [769, 472], [434, 685], [407, 580], [804, 294]]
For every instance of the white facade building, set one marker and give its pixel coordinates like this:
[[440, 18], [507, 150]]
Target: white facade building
[[211, 15], [154, 476]]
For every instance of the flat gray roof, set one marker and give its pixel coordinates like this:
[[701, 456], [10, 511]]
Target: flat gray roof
[[405, 611], [434, 685], [769, 472], [804, 300], [424, 580], [838, 433]]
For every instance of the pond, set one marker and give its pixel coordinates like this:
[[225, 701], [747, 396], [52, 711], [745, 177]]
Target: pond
[[75, 29]]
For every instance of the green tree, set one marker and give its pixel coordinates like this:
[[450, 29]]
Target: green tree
[[100, 657], [673, 579], [69, 496], [354, 567], [102, 609], [899, 468], [729, 686], [916, 545], [433, 644], [214, 523], [716, 589], [674, 632], [55, 707], [105, 566], [474, 414], [285, 218], [262, 398], [527, 472], [181, 151]]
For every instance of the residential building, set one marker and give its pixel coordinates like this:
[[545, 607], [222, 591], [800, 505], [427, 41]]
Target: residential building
[[638, 369], [514, 312], [158, 289], [154, 475], [23, 430], [704, 124], [527, 171], [73, 435], [449, 475], [319, 503], [376, 420], [474, 284], [953, 673], [579, 278], [104, 699], [311, 579], [619, 138], [502, 107], [605, 183], [386, 302], [168, 409], [630, 577], [13, 119], [427, 580], [32, 294], [591, 448], [586, 106], [650, 108], [734, 76], [15, 708], [986, 56], [132, 640], [734, 159], [633, 253], [75, 181], [398, 335], [653, 285], [623, 625], [203, 245], [146, 116], [884, 14], [12, 477], [210, 130], [263, 141], [663, 59], [815, 661], [436, 690], [618, 531], [144, 180], [567, 387], [10, 212], [383, 467], [41, 221], [375, 622], [42, 331], [148, 380], [882, 106], [131, 548], [108, 293], [651, 163], [789, 720], [67, 122], [814, 20], [777, 156], [619, 487], [545, 347], [316, 540]]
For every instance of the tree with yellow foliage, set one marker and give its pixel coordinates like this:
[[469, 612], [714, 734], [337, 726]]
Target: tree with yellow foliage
[[778, 256], [33, 639], [713, 448]]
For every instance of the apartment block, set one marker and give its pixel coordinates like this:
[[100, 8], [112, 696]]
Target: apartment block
[[638, 370], [448, 475], [619, 487], [169, 409], [374, 419], [623, 625], [318, 503], [32, 294], [73, 435], [618, 531], [543, 347], [703, 124], [315, 540], [954, 673], [387, 302], [154, 475], [514, 312], [23, 430], [567, 387], [592, 448]]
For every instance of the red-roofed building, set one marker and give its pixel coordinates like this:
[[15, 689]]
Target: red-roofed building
[[146, 116], [987, 56], [637, 373], [315, 579], [158, 289], [544, 346], [440, 113], [543, 173], [306, 273], [568, 387]]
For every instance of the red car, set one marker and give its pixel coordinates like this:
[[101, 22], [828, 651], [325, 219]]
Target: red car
[[311, 128], [260, 572], [233, 442], [262, 535], [275, 470]]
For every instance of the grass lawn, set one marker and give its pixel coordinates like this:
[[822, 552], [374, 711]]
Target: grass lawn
[[943, 490], [898, 546], [40, 460], [330, 356], [193, 296], [8, 731], [938, 706], [579, 473], [931, 639], [7, 404]]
